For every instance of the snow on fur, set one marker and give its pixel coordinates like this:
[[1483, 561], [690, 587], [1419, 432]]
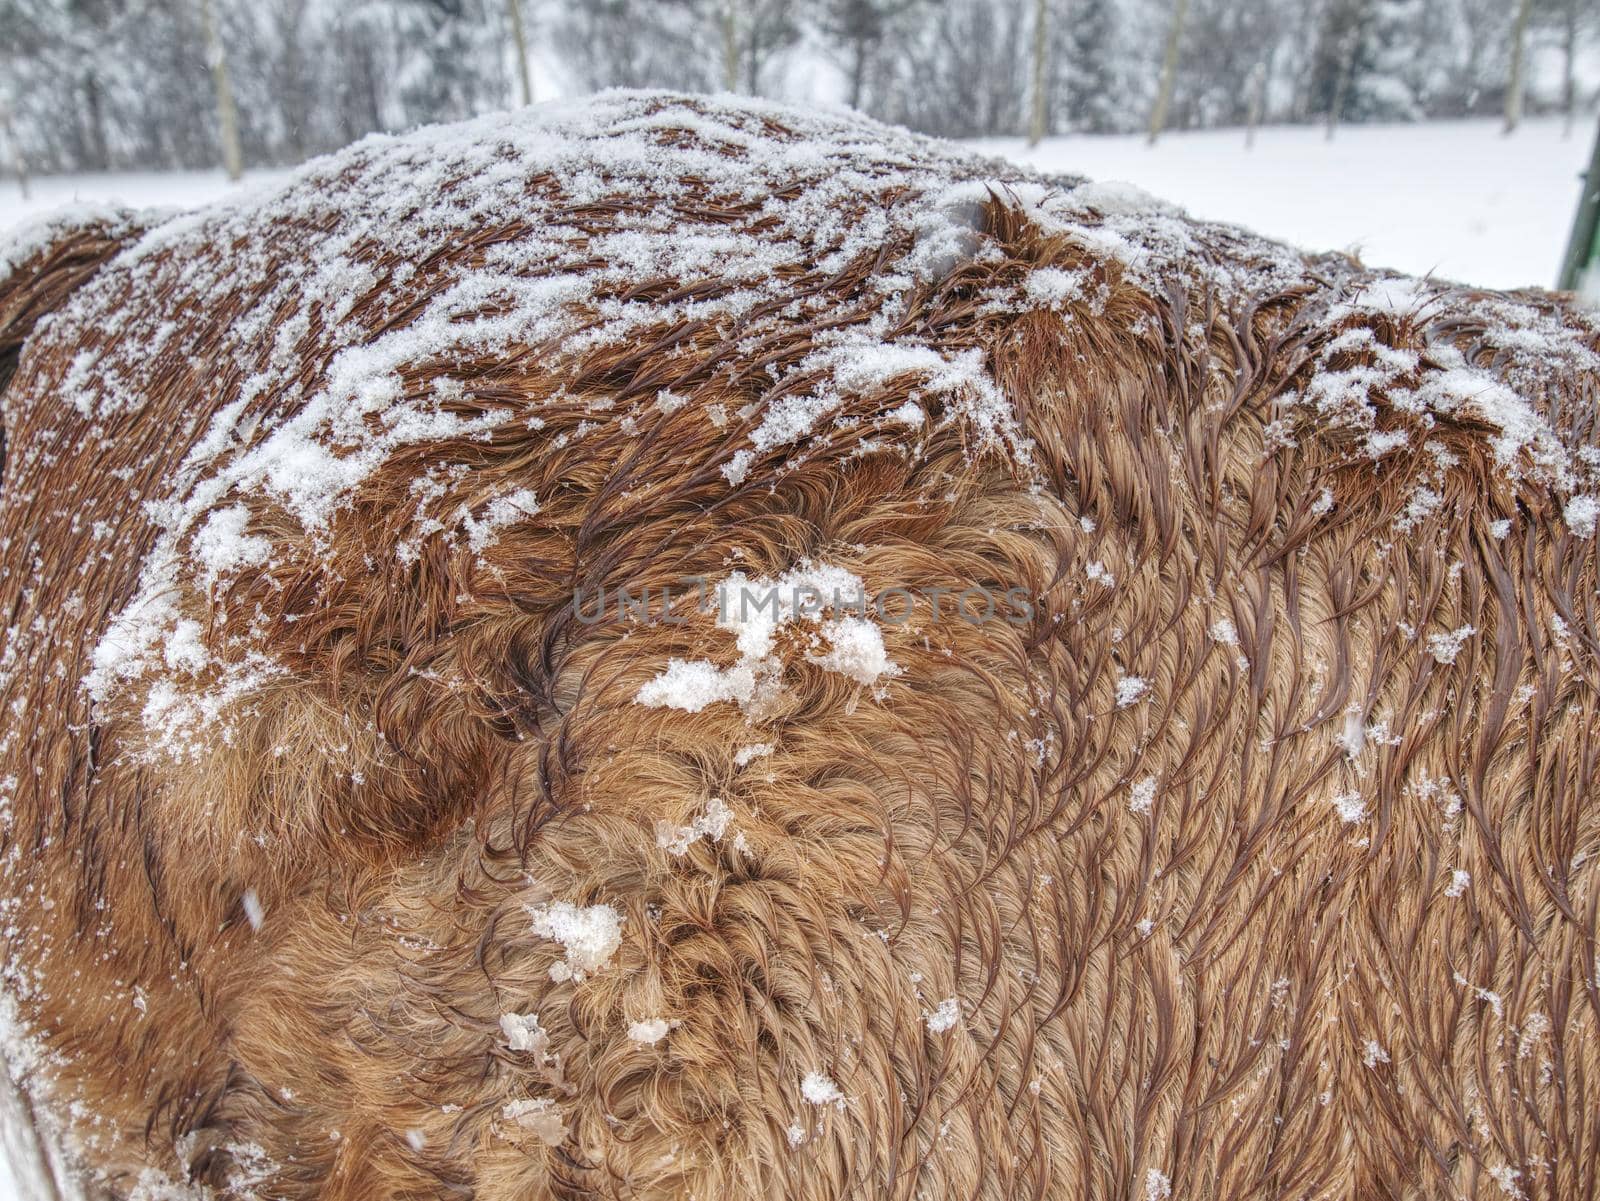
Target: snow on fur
[[756, 612], [729, 202]]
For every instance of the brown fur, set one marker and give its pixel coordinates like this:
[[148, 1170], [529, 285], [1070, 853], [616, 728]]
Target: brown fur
[[452, 745]]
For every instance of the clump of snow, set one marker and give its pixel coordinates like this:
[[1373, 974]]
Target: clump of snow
[[1157, 1187], [711, 824], [819, 1089], [1353, 734], [503, 511], [910, 413], [1506, 1177], [756, 612], [855, 649], [540, 1116], [1373, 1053], [1460, 880], [1445, 647], [1052, 287], [1350, 806], [1423, 503], [222, 546], [1580, 514], [1131, 690], [650, 1031], [590, 935], [523, 1032], [749, 754], [945, 1016], [692, 684], [1143, 795]]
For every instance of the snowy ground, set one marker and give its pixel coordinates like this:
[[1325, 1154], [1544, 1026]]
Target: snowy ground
[[1454, 198]]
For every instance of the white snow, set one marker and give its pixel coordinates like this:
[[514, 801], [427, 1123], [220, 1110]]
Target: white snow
[[855, 649], [711, 824], [650, 1031], [751, 753], [1143, 795], [590, 935], [945, 1016], [1580, 514], [755, 611], [1353, 734], [523, 1032], [1460, 881], [1051, 287], [1445, 647], [1131, 690], [1350, 806], [1223, 631], [540, 1116], [819, 1089], [1455, 198], [1506, 1177], [222, 545], [503, 511], [691, 685]]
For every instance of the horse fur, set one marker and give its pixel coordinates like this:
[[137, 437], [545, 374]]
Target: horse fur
[[1254, 857]]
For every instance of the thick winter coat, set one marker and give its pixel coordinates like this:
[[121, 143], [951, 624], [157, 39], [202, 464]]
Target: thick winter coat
[[1178, 776]]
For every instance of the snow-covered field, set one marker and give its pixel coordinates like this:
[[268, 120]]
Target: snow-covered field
[[1456, 198]]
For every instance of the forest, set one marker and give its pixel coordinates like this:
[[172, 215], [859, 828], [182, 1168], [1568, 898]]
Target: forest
[[97, 85]]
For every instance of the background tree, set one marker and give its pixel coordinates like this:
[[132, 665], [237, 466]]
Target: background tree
[[1096, 79], [117, 84], [1169, 70], [1039, 79], [1519, 38], [519, 42], [964, 75], [227, 110], [859, 29]]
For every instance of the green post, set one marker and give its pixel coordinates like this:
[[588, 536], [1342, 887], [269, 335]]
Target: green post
[[1580, 266]]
